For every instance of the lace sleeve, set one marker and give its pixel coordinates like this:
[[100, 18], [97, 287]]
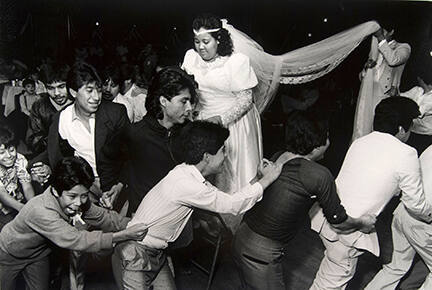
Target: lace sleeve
[[243, 104]]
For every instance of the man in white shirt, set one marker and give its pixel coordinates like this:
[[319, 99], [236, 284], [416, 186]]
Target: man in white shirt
[[168, 206], [377, 167], [92, 129], [410, 236]]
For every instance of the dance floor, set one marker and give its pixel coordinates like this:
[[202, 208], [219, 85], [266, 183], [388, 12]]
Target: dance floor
[[305, 252], [300, 264]]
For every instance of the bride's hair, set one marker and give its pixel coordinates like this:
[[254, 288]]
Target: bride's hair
[[208, 21]]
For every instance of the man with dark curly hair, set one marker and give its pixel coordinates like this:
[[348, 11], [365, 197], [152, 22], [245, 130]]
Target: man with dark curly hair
[[260, 242]]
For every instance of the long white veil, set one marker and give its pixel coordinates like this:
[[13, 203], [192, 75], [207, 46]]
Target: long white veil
[[298, 66]]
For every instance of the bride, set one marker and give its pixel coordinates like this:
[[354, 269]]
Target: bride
[[227, 63], [225, 82]]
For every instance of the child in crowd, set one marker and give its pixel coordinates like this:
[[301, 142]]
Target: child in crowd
[[15, 181], [27, 241], [26, 99]]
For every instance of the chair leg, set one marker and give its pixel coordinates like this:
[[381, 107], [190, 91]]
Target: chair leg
[[213, 266]]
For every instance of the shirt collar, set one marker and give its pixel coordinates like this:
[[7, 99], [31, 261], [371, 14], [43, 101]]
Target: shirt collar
[[75, 116], [60, 107], [386, 135], [195, 173], [50, 202]]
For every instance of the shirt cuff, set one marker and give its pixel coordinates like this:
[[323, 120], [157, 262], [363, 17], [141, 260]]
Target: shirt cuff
[[381, 42], [337, 217], [257, 189]]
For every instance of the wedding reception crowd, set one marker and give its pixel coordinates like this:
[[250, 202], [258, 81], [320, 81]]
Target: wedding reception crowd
[[122, 158]]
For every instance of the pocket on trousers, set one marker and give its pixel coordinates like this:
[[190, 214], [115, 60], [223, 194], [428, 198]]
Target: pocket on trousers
[[255, 260], [133, 257]]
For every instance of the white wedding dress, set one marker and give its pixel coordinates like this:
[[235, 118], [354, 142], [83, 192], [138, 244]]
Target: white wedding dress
[[225, 89]]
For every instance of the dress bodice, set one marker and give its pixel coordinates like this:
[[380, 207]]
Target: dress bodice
[[219, 80]]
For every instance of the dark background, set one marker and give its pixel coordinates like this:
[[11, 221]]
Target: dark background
[[33, 29]]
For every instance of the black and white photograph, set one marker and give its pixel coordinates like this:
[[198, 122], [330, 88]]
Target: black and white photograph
[[223, 145]]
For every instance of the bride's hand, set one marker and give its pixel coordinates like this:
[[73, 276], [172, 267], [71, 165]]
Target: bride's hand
[[215, 119]]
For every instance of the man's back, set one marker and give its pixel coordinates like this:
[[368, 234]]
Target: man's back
[[286, 203], [375, 168]]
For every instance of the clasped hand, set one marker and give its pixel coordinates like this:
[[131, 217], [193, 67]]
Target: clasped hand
[[40, 172], [136, 232], [368, 221], [108, 197]]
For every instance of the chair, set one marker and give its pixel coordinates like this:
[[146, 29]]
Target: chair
[[216, 235]]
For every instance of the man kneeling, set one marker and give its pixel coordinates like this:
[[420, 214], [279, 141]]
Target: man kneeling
[[25, 241], [169, 205]]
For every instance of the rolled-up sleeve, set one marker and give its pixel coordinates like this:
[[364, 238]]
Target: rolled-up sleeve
[[208, 197]]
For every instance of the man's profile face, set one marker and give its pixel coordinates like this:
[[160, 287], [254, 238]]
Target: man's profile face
[[178, 109], [57, 92]]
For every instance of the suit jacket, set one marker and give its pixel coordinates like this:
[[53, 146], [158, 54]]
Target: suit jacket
[[377, 167], [111, 122], [41, 116], [377, 82], [395, 55]]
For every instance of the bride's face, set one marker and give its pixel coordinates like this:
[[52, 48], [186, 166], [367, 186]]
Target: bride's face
[[206, 45]]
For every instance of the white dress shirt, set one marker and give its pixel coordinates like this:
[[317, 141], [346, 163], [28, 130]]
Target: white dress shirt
[[169, 204], [72, 129], [423, 124], [134, 100], [377, 167], [426, 168]]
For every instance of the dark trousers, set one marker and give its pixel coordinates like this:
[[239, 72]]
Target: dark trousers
[[35, 273], [259, 260]]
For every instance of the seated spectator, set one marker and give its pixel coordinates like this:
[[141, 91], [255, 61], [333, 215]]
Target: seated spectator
[[39, 86], [23, 103], [15, 181], [111, 81], [169, 205], [26, 99], [25, 243]]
